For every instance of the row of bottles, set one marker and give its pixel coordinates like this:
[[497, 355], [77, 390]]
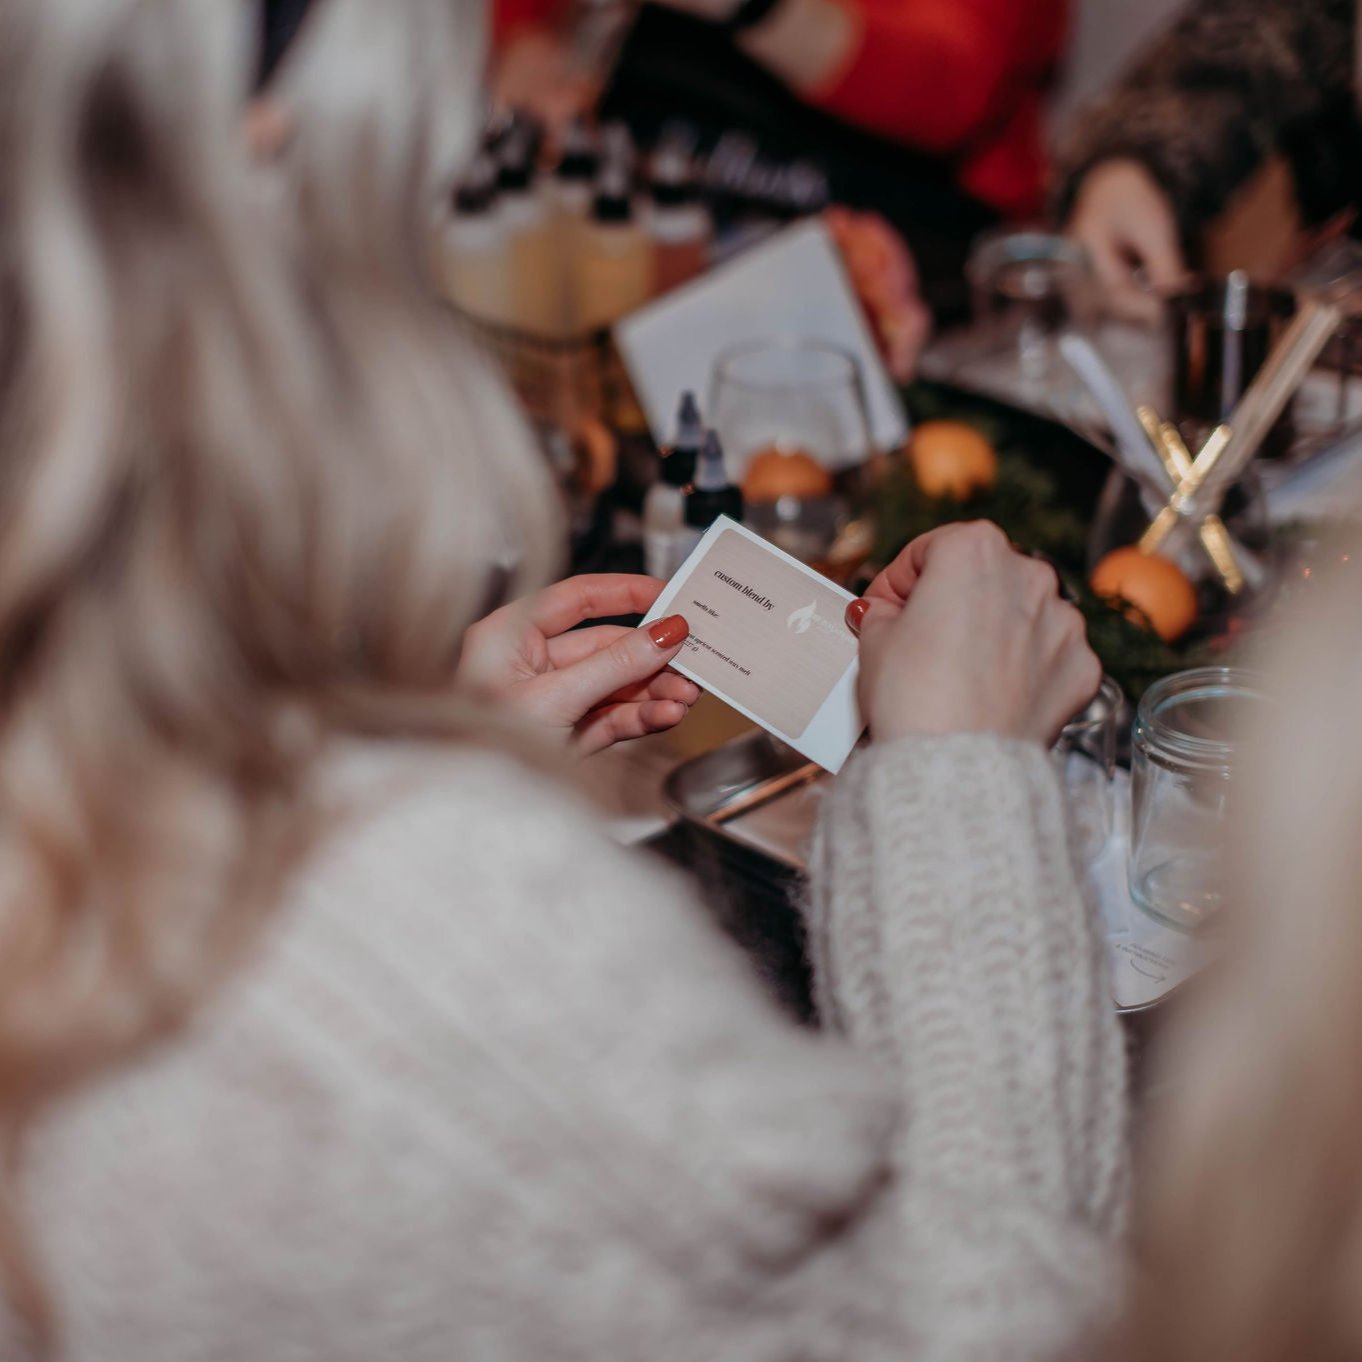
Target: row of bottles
[[692, 492], [569, 252]]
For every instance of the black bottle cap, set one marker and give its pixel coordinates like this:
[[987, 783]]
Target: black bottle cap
[[678, 467], [514, 175], [472, 200], [672, 180], [516, 155], [673, 195], [678, 464], [713, 494], [477, 191], [613, 202], [579, 161]]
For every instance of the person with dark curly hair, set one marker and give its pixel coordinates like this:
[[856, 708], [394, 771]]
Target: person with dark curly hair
[[1231, 84]]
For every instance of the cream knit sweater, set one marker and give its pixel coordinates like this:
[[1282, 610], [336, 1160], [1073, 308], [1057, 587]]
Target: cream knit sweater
[[495, 1091]]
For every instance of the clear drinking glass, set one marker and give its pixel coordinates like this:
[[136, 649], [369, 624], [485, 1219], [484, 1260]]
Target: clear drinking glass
[[794, 396], [1221, 331], [1184, 747]]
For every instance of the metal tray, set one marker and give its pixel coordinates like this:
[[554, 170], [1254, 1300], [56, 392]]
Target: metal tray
[[754, 792]]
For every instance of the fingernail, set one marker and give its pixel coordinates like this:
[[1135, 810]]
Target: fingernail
[[669, 632], [856, 612]]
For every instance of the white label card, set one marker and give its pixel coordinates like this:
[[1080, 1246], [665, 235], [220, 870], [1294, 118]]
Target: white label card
[[768, 636]]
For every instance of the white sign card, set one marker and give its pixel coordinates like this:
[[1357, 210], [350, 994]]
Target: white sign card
[[793, 285]]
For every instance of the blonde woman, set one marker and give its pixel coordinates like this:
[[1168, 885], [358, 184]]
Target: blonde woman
[[331, 1026]]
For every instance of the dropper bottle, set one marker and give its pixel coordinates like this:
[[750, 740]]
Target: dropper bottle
[[678, 223], [664, 506], [572, 189], [575, 173], [711, 496], [536, 298], [615, 260], [475, 263]]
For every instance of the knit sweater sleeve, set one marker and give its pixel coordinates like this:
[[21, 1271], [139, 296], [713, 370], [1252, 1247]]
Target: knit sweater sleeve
[[1213, 96], [952, 942]]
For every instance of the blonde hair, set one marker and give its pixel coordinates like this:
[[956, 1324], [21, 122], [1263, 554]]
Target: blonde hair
[[1252, 1213], [253, 488]]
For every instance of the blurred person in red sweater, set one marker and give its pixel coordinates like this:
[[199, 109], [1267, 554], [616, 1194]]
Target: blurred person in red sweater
[[929, 111]]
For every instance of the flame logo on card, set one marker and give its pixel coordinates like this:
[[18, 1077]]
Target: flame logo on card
[[801, 619]]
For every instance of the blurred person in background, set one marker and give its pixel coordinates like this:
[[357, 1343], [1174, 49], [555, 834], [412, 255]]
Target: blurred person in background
[[331, 1023], [1250, 1213], [1231, 84], [928, 111]]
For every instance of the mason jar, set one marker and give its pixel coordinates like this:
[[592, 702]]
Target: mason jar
[[1187, 737]]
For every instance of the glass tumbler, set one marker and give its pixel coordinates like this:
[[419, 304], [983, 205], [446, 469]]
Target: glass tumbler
[[1184, 747], [791, 396], [1221, 332]]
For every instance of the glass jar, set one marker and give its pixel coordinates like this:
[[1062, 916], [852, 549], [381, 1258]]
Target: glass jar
[[793, 395], [783, 397], [1029, 287], [1184, 748]]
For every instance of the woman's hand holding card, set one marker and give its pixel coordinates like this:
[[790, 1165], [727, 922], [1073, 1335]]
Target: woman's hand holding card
[[594, 687], [961, 633]]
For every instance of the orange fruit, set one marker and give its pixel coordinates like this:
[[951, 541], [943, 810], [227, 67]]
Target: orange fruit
[[952, 459], [1159, 590], [773, 473]]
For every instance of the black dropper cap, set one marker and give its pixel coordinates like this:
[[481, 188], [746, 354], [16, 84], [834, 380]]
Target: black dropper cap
[[521, 129], [613, 202], [515, 165], [713, 495], [477, 191], [678, 466], [579, 161], [672, 181]]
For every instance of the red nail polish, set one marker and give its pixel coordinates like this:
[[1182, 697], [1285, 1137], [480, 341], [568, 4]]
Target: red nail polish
[[856, 612], [667, 633]]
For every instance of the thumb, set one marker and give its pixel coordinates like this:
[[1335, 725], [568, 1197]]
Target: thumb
[[634, 657], [868, 614], [871, 620]]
